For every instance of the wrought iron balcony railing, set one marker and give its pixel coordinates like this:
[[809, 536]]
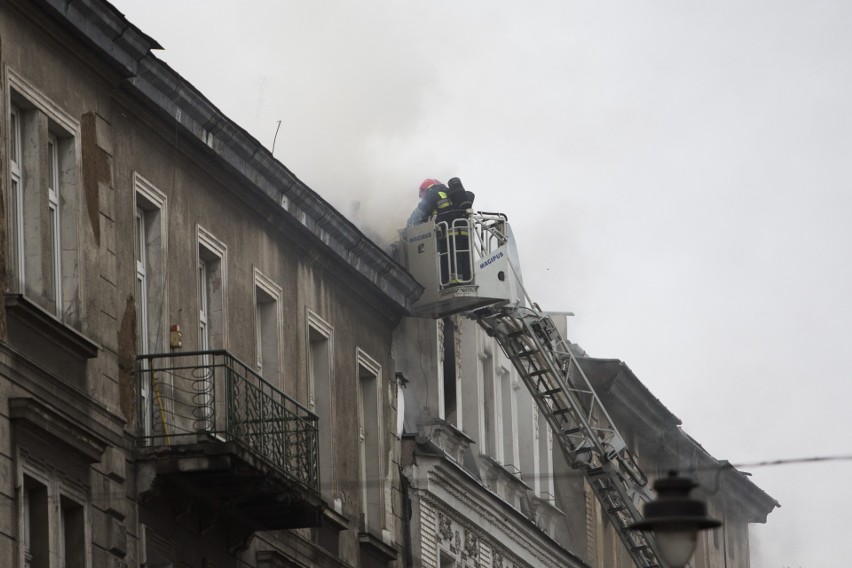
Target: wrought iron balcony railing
[[211, 396]]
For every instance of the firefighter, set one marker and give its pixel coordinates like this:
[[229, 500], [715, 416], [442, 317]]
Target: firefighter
[[440, 201], [448, 207], [434, 199]]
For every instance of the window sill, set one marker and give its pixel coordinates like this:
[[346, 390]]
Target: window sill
[[376, 547], [334, 520], [21, 310], [37, 417], [42, 339]]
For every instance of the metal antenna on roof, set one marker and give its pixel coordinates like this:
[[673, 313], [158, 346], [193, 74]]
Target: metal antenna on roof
[[277, 128]]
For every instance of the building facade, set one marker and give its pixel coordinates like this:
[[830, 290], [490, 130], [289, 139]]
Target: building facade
[[488, 486], [203, 364], [195, 348]]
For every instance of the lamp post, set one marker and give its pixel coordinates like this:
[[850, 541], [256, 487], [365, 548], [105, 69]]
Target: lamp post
[[675, 519]]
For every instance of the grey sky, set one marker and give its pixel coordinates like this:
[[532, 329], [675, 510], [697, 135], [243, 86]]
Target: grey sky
[[677, 173]]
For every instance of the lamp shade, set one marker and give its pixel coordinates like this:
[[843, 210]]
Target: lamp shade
[[675, 519], [676, 547]]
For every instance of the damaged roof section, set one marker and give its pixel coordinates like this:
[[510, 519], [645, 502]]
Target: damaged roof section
[[154, 83], [660, 438]]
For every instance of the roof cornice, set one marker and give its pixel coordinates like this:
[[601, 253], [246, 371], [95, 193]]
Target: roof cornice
[[127, 50]]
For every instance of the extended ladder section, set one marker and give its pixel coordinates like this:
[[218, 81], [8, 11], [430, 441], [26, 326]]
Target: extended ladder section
[[588, 438], [492, 294]]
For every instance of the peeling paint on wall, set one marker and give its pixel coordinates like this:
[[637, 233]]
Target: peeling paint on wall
[[96, 169], [127, 361]]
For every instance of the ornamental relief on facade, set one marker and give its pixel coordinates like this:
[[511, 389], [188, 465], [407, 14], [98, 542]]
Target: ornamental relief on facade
[[501, 561], [470, 547], [460, 541]]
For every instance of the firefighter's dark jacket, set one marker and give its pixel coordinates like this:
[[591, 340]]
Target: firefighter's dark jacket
[[439, 200]]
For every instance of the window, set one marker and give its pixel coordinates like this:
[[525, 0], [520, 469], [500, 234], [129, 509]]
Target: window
[[508, 419], [449, 410], [43, 202], [211, 291], [370, 441], [267, 321], [472, 384], [211, 328], [55, 232], [534, 441], [150, 247], [72, 536], [36, 524], [320, 397], [489, 406], [156, 551], [16, 199], [544, 439], [53, 520], [446, 559], [527, 435]]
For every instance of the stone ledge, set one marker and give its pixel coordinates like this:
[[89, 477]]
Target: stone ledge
[[31, 413]]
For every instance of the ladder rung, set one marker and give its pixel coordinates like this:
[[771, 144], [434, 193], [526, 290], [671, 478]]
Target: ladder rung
[[550, 392]]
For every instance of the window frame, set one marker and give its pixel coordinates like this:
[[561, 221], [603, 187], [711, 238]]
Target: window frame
[[59, 489], [150, 212], [210, 249], [16, 197], [319, 330], [152, 207], [56, 214], [370, 457], [54, 220], [211, 259], [273, 293]]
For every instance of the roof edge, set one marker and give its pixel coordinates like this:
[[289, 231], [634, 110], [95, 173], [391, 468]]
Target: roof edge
[[128, 50]]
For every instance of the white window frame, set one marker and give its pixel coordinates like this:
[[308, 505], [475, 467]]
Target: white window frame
[[54, 220], [273, 294], [211, 256], [203, 306], [508, 418], [16, 199], [63, 203], [212, 248], [371, 454], [151, 205], [491, 443], [141, 291], [544, 441], [322, 402], [150, 208]]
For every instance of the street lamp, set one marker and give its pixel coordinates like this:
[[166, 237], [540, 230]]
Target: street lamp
[[675, 519]]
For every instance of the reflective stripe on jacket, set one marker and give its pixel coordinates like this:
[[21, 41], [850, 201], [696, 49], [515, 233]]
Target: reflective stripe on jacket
[[443, 203]]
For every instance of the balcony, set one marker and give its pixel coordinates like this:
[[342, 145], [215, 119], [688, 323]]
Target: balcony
[[217, 436]]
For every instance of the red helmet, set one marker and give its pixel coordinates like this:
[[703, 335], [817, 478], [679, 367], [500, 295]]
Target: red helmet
[[427, 183]]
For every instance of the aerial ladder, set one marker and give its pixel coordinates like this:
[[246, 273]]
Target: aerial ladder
[[469, 265]]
